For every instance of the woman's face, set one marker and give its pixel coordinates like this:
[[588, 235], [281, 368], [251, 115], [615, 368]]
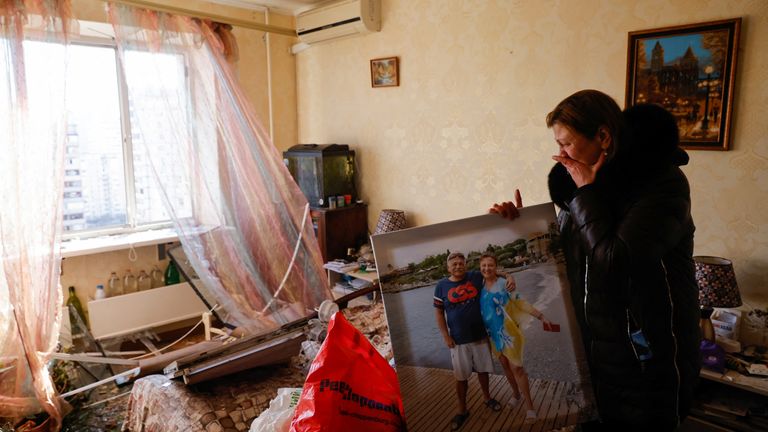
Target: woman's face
[[488, 268], [576, 146]]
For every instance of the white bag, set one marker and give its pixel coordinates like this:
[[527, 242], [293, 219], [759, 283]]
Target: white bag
[[277, 418]]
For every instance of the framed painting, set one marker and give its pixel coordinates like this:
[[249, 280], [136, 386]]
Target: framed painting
[[690, 70], [429, 307], [385, 72]]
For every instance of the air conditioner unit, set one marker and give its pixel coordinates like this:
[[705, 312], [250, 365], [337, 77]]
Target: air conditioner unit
[[337, 20]]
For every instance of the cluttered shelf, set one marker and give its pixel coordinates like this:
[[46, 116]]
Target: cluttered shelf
[[731, 407], [735, 379], [346, 277], [734, 396]]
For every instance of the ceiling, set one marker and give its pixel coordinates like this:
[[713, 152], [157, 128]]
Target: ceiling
[[292, 7]]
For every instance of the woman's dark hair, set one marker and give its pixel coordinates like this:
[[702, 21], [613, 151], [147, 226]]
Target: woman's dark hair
[[653, 133], [586, 111]]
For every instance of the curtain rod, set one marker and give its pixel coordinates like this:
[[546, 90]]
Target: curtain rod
[[198, 14]]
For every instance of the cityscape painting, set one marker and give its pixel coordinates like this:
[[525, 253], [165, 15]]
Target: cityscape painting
[[690, 71]]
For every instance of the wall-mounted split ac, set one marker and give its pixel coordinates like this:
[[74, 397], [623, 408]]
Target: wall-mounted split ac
[[337, 20]]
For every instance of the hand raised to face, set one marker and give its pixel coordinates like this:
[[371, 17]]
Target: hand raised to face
[[581, 173]]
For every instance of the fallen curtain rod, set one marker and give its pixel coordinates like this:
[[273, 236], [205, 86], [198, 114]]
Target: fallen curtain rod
[[199, 14]]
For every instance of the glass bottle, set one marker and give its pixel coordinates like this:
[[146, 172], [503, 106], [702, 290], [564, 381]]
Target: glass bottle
[[172, 274], [129, 282], [158, 279], [144, 281], [77, 308], [115, 285]]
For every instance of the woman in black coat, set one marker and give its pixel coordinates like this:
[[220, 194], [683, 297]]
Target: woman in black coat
[[627, 235]]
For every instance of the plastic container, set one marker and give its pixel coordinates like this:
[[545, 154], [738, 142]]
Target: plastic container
[[144, 281], [100, 294], [130, 285], [158, 279], [115, 285]]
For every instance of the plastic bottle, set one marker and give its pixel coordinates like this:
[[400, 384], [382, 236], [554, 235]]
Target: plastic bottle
[[129, 282], [115, 285], [157, 277], [100, 294], [172, 274], [73, 301], [144, 281]]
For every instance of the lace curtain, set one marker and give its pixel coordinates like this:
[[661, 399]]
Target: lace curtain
[[242, 220], [246, 229], [32, 135]]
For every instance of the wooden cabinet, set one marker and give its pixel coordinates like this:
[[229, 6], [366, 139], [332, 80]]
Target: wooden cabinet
[[340, 228]]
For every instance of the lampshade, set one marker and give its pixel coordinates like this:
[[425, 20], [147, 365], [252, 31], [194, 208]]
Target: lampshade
[[390, 220], [717, 282]]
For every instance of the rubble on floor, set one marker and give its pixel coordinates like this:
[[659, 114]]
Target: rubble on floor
[[372, 322], [226, 404], [104, 411]]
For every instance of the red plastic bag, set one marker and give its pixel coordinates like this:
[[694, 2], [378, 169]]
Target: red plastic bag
[[350, 387]]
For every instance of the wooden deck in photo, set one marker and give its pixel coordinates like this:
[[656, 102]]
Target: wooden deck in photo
[[429, 399]]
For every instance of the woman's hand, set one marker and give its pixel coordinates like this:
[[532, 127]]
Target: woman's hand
[[507, 209], [581, 174]]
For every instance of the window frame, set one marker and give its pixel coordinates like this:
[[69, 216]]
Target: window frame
[[131, 225]]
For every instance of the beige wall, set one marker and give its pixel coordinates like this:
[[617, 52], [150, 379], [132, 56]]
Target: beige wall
[[86, 272], [466, 126]]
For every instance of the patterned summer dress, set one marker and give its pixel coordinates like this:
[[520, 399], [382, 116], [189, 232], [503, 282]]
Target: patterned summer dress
[[503, 314]]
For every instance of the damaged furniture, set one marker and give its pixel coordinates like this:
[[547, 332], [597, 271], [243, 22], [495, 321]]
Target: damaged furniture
[[231, 403]]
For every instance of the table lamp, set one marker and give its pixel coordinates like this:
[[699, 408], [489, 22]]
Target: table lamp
[[390, 220], [717, 288]]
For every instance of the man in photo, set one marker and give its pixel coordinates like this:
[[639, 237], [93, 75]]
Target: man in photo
[[457, 311]]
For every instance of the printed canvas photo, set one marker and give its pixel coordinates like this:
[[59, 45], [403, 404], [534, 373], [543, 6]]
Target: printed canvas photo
[[480, 306]]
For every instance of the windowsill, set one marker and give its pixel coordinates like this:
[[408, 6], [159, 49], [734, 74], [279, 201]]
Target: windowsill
[[94, 245]]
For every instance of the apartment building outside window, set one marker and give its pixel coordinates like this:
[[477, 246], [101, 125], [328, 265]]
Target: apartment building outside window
[[109, 186]]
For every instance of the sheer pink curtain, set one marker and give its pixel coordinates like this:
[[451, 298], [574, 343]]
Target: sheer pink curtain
[[32, 135], [246, 226]]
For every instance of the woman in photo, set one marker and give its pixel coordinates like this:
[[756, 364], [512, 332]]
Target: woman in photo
[[503, 314]]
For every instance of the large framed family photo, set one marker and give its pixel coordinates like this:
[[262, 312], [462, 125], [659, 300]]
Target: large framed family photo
[[690, 70], [532, 327]]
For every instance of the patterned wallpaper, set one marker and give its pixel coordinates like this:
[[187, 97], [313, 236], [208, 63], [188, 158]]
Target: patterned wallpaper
[[466, 125]]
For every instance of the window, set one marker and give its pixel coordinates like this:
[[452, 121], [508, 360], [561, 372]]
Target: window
[[109, 185]]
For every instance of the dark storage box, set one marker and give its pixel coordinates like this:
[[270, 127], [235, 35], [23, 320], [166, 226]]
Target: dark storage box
[[322, 171]]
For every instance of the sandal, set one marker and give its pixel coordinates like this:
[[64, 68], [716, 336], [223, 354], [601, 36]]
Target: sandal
[[458, 420], [530, 417], [493, 404]]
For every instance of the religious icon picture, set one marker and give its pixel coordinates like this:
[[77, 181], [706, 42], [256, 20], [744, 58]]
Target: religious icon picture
[[385, 72]]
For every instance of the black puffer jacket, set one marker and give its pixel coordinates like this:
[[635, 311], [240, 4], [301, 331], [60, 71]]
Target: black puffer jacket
[[628, 240]]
